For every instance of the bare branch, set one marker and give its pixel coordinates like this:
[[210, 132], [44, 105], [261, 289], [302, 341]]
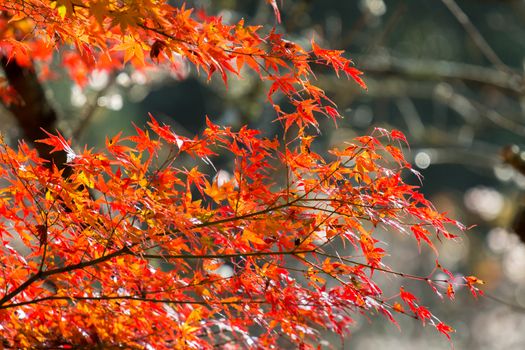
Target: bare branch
[[476, 36], [468, 107], [443, 70]]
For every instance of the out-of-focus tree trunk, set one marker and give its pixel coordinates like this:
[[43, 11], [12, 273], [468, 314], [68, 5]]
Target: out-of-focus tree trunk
[[35, 113]]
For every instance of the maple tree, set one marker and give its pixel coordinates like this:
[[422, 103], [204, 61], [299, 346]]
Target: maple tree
[[123, 247]]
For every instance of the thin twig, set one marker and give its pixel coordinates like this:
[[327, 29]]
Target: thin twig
[[131, 297], [513, 306], [475, 35], [442, 70], [471, 109], [43, 274], [221, 256]]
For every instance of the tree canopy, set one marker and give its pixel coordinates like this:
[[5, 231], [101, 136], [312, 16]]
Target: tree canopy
[[125, 247]]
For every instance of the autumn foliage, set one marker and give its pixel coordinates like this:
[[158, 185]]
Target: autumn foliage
[[127, 249]]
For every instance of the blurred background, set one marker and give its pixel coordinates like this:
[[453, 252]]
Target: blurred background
[[450, 77]]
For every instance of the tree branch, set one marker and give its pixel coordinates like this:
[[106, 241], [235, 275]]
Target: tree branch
[[131, 297], [475, 35], [220, 256], [43, 274], [443, 70]]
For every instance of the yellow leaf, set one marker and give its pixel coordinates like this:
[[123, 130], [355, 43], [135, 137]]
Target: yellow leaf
[[195, 316], [187, 330], [251, 236], [83, 179], [64, 7], [62, 10], [49, 196], [132, 49]]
